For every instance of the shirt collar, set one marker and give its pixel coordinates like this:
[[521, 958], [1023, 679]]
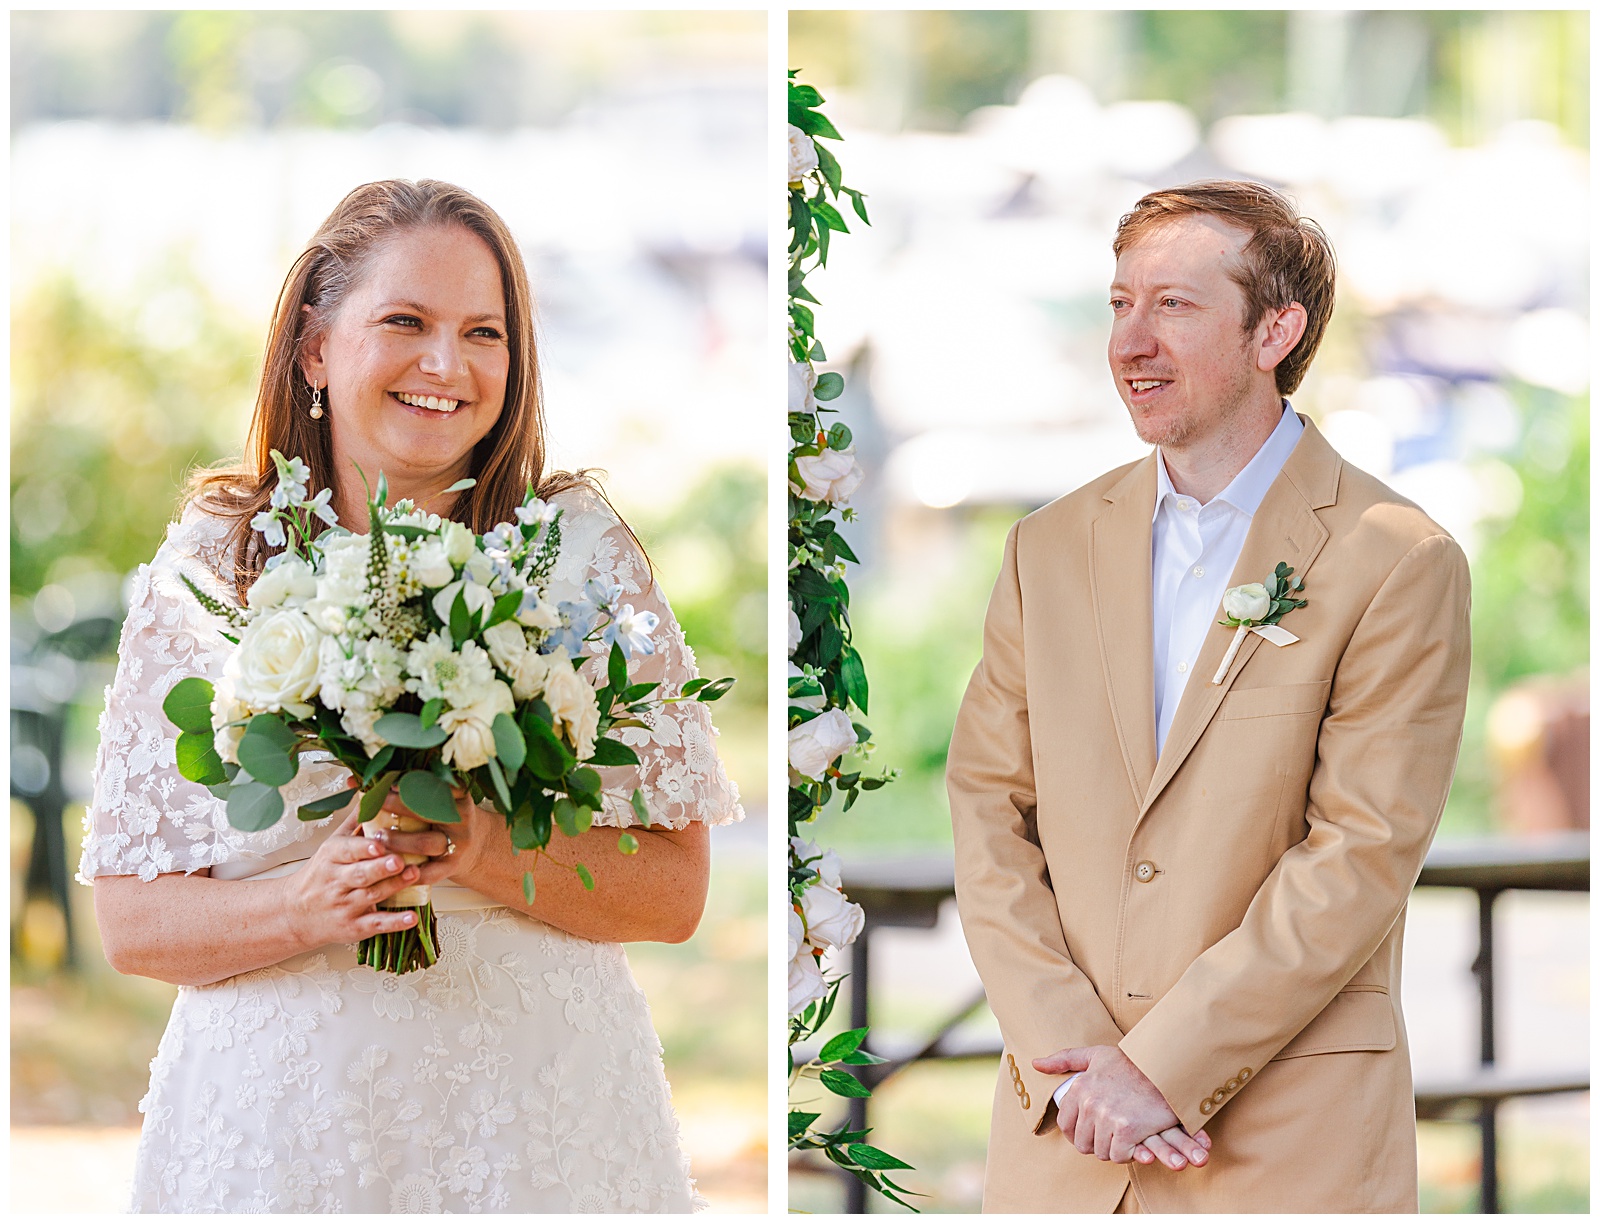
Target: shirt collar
[[1245, 491]]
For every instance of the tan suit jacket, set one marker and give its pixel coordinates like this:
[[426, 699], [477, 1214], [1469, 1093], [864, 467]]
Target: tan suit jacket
[[1231, 913]]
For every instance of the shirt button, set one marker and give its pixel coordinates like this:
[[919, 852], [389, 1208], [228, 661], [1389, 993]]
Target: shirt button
[[1185, 504], [1182, 667], [1145, 872], [1199, 571]]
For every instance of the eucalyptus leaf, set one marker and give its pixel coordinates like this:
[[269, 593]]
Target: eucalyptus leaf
[[317, 809], [267, 750], [188, 705], [405, 730], [373, 799], [583, 874], [198, 760], [253, 806], [509, 745], [428, 796]]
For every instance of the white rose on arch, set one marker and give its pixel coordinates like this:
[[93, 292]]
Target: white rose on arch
[[829, 477], [831, 920], [802, 155], [802, 387], [794, 630], [815, 745], [827, 866], [806, 983]]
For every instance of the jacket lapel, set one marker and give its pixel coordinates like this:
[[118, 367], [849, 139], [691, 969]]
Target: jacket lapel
[[1285, 528], [1119, 546]]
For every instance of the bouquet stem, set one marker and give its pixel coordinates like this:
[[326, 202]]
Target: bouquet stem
[[415, 947]]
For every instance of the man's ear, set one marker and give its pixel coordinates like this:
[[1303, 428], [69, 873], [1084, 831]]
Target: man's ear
[[312, 366], [1279, 331]]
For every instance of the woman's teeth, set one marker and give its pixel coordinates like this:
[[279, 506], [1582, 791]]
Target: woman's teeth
[[431, 402]]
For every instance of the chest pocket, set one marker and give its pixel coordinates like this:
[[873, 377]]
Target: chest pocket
[[1276, 700]]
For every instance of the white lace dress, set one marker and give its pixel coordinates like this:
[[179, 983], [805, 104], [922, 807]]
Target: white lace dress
[[520, 1073]]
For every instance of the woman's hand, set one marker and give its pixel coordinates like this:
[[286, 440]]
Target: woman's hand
[[334, 897], [657, 893], [452, 850]]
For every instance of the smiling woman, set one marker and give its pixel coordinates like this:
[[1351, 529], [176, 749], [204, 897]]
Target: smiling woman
[[520, 1072]]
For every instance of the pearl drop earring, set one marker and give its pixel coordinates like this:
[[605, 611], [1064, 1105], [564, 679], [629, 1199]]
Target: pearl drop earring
[[316, 402]]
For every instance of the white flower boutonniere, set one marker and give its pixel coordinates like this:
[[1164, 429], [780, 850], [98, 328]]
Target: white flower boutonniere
[[1258, 607]]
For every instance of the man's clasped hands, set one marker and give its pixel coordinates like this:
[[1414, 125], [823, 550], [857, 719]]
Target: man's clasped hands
[[1112, 1111]]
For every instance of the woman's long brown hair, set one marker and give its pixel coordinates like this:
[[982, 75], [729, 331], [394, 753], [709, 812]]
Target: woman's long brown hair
[[508, 460]]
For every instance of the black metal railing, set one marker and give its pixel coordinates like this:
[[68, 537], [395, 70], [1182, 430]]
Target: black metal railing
[[908, 891]]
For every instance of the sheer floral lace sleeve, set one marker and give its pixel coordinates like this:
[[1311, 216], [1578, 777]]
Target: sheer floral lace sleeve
[[679, 773], [144, 817]]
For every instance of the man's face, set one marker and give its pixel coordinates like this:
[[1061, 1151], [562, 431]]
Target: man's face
[[1182, 361]]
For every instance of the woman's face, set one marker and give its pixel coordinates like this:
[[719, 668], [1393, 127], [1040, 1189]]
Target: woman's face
[[414, 362]]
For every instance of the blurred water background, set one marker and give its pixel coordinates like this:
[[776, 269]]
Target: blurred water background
[[166, 168], [1446, 154]]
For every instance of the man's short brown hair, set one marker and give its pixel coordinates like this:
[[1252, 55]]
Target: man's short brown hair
[[1287, 259]]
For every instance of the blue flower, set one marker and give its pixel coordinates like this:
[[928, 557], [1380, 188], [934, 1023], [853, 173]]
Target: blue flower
[[631, 630]]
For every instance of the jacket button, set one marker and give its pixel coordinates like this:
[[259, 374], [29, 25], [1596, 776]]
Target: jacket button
[[1232, 1085], [1245, 1074], [1205, 1106], [1219, 1096], [1145, 872]]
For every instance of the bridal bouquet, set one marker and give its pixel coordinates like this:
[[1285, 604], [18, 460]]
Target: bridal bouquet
[[423, 658]]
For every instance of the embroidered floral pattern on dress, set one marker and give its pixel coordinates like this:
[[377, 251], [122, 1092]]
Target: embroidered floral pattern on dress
[[520, 1073]]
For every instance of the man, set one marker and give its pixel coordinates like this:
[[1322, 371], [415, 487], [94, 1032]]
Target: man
[[1184, 883]]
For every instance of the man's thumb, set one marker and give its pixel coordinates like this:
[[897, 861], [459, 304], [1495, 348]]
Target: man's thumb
[[1062, 1062]]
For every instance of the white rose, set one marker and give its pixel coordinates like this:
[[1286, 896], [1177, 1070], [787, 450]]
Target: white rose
[[429, 564], [829, 477], [827, 867], [471, 728], [572, 705], [478, 599], [831, 921], [505, 643], [291, 578], [815, 745], [278, 663], [794, 629], [806, 983], [802, 155], [227, 708], [802, 384], [1249, 602], [458, 542], [797, 932]]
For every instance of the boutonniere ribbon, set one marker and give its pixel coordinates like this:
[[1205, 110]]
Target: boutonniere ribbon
[[1257, 608]]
